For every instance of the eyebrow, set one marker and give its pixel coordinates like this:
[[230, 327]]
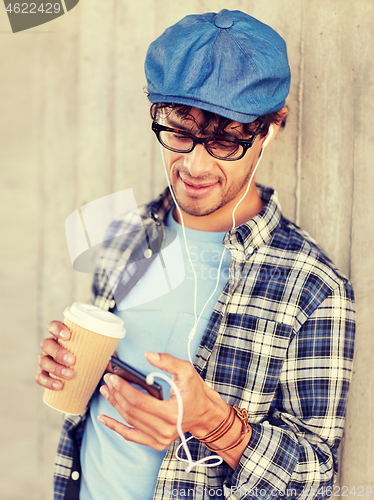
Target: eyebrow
[[180, 126], [184, 128]]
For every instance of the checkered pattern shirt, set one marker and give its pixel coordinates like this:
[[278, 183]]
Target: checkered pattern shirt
[[279, 343]]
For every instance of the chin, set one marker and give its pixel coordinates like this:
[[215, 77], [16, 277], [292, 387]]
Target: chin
[[195, 210]]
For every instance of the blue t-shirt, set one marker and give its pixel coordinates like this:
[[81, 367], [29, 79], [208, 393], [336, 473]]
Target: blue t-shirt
[[113, 468]]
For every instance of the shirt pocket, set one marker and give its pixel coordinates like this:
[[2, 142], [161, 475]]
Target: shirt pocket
[[247, 360]]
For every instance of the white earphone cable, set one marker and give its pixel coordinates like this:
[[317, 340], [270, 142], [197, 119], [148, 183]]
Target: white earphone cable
[[191, 464], [150, 377]]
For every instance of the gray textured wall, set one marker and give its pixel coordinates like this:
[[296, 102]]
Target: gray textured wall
[[74, 127]]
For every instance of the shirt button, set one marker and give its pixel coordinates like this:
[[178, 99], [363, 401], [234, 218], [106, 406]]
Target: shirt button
[[75, 475], [250, 249], [148, 253]]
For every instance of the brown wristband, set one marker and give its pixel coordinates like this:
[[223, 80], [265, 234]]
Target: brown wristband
[[243, 417], [221, 430]]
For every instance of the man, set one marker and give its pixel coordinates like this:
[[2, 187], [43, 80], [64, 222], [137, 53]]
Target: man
[[273, 338]]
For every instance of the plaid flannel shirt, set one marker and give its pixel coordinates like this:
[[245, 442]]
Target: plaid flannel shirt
[[279, 343]]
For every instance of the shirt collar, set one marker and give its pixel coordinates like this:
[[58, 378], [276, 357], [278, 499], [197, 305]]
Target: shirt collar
[[159, 208], [251, 235], [257, 231]]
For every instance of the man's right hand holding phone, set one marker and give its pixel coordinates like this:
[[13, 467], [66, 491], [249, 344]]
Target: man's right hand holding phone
[[55, 359]]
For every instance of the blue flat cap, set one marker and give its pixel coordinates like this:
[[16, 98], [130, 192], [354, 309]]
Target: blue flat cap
[[228, 63]]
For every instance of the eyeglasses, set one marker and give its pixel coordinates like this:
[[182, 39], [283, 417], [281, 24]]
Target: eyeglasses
[[183, 142]]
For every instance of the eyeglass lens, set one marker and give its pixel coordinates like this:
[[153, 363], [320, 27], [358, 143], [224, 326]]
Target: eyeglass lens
[[184, 144]]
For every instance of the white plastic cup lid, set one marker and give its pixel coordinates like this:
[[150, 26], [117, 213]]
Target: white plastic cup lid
[[95, 319]]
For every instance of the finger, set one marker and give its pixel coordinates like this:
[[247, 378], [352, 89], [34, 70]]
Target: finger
[[138, 407], [59, 330], [148, 423], [43, 379], [128, 395], [48, 365], [130, 433], [170, 364], [57, 352]]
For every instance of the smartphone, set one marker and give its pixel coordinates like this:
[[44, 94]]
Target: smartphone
[[135, 377]]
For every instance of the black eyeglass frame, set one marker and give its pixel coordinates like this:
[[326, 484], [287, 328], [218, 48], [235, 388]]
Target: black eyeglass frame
[[157, 128]]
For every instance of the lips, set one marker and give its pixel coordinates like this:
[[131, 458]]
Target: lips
[[198, 189], [198, 186]]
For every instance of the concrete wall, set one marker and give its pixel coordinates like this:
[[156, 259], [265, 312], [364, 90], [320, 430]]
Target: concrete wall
[[74, 127]]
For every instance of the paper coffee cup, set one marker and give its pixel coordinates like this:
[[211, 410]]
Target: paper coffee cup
[[95, 334]]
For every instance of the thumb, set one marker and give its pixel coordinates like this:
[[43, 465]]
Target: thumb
[[167, 362]]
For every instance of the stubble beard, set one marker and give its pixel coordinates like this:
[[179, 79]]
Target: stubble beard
[[200, 211]]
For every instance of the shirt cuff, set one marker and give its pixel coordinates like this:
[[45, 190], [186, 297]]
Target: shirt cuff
[[267, 464]]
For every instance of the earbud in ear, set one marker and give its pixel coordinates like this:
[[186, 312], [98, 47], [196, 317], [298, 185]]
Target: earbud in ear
[[269, 136]]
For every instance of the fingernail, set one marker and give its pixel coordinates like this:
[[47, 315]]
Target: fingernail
[[152, 356], [64, 334], [110, 380], [104, 391], [67, 372], [69, 359], [101, 419], [57, 385]]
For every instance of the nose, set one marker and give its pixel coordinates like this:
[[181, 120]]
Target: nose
[[199, 161]]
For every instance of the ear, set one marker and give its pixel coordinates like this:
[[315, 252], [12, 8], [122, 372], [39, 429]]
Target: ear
[[273, 129]]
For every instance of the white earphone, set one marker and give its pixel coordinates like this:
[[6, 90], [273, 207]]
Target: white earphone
[[214, 460], [269, 136]]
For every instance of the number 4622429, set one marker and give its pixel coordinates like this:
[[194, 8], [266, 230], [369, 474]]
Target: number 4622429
[[25, 8], [343, 491]]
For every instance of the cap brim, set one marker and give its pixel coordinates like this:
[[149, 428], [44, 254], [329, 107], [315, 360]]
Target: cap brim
[[236, 116]]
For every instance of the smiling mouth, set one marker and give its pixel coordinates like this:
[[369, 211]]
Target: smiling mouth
[[195, 190], [199, 186]]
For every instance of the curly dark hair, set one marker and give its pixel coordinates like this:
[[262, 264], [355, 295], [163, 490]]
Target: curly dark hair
[[258, 127]]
